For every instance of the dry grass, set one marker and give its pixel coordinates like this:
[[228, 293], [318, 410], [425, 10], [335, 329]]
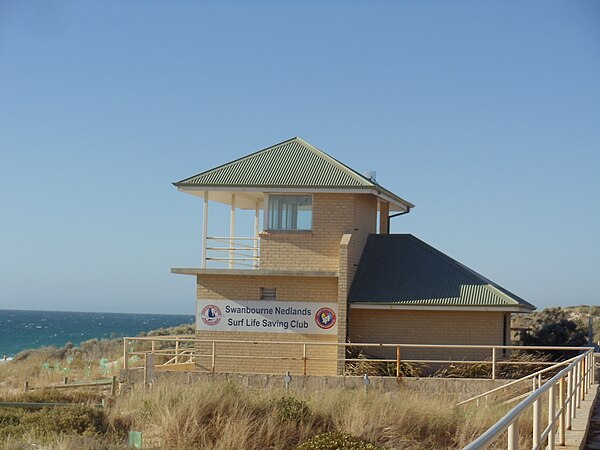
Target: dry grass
[[224, 416], [221, 416]]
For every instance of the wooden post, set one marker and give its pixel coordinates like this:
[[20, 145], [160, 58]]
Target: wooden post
[[113, 386], [145, 370], [214, 357], [493, 363], [153, 346], [398, 361], [125, 354], [304, 360], [177, 351], [26, 386], [66, 380]]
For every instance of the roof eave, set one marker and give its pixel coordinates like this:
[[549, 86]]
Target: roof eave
[[400, 306], [377, 191]]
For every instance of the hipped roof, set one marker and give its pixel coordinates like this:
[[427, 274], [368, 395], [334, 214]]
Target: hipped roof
[[400, 269], [292, 164]]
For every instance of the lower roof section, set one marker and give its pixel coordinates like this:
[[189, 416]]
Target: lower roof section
[[254, 272], [399, 269]]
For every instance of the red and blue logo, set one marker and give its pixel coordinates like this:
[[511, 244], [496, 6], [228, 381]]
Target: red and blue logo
[[325, 318], [211, 315]]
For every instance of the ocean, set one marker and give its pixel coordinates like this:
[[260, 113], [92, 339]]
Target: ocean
[[21, 330]]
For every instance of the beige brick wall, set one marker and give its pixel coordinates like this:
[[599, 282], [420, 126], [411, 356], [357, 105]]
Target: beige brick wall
[[317, 250], [244, 287], [384, 212], [427, 327], [333, 216], [267, 358]]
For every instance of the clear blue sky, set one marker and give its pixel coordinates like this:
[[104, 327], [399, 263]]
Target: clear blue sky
[[486, 115]]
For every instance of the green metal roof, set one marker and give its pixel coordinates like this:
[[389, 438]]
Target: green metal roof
[[290, 164], [399, 269]]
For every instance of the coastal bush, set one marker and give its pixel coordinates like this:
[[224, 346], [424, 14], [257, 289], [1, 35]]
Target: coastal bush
[[336, 440], [47, 423], [53, 396], [559, 333], [290, 409]]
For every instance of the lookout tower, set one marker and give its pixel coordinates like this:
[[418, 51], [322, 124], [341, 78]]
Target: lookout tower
[[292, 278]]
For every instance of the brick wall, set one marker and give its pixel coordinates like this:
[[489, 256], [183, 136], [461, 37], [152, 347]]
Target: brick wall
[[427, 327], [333, 216], [267, 358], [247, 287]]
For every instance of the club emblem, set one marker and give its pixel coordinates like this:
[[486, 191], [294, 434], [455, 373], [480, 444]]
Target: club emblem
[[325, 318], [211, 315]]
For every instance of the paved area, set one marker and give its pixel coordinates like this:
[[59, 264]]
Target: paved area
[[593, 437], [579, 428]]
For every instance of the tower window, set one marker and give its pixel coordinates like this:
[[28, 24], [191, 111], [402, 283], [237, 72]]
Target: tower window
[[290, 212]]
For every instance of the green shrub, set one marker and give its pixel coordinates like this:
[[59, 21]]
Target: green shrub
[[337, 440], [290, 409], [50, 422]]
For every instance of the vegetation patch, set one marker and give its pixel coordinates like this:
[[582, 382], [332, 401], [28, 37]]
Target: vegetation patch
[[337, 440], [76, 420], [290, 409]]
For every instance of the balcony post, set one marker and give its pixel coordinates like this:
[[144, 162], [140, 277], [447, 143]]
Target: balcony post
[[204, 229], [232, 232], [256, 226]]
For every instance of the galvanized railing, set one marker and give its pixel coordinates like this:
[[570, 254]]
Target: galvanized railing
[[563, 393]]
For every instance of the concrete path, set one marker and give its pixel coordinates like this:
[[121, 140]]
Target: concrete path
[[575, 437], [593, 437]]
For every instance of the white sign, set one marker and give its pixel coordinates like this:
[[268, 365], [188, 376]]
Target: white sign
[[267, 316]]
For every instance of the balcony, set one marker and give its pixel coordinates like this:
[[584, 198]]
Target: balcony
[[235, 252]]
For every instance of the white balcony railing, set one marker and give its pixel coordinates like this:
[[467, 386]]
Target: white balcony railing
[[236, 252]]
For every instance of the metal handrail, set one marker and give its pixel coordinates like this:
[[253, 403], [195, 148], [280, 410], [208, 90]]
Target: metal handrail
[[570, 385], [531, 375], [579, 375]]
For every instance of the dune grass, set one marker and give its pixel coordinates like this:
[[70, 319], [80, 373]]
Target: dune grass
[[222, 415]]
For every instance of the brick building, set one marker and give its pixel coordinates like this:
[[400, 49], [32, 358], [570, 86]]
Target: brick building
[[320, 267]]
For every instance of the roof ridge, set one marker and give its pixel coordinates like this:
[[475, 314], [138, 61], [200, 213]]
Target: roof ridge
[[352, 172]]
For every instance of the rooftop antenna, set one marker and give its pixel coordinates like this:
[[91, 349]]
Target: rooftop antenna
[[371, 175]]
